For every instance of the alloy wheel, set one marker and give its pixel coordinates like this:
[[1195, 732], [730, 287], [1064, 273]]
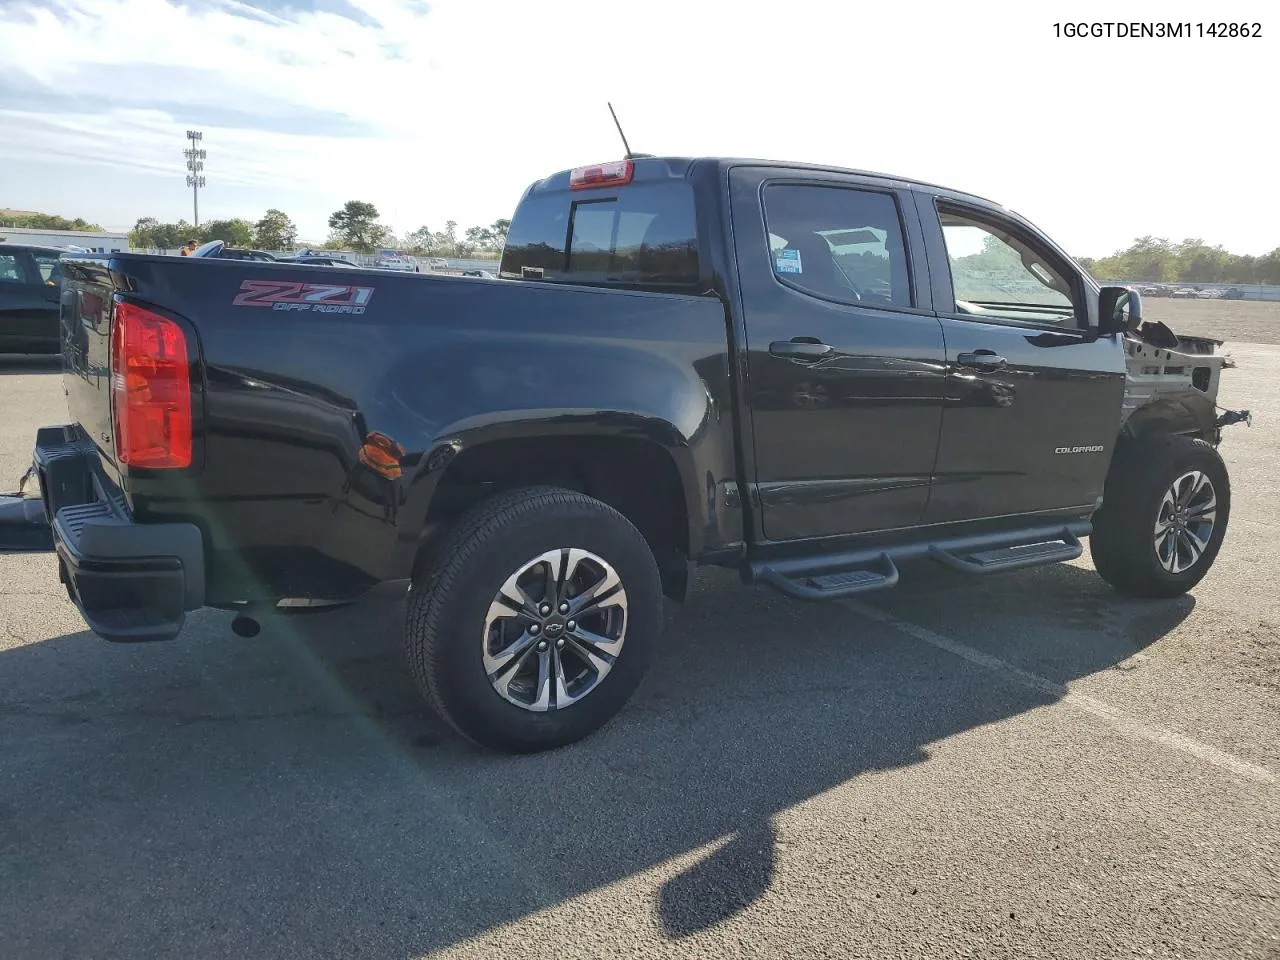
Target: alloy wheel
[[555, 629], [1184, 526]]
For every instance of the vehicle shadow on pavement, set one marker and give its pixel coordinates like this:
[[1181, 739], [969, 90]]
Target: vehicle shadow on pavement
[[289, 795]]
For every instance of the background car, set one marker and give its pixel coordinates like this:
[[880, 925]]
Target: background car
[[239, 253], [390, 260], [479, 273], [319, 261], [30, 279], [218, 250]]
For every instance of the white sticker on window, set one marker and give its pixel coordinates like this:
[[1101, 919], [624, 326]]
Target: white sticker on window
[[787, 261]]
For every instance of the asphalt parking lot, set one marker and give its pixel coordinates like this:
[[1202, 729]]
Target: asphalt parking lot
[[1023, 767]]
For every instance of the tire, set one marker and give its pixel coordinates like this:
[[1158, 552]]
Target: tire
[[458, 627], [1123, 543]]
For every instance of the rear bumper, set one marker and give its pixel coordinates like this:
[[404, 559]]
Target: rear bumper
[[131, 581]]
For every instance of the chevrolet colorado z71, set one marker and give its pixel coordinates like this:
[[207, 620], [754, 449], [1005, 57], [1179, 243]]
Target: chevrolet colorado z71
[[806, 374]]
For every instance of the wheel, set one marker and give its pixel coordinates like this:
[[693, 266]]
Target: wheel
[[536, 620], [1163, 517]]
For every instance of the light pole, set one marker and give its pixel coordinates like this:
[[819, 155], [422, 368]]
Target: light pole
[[195, 164]]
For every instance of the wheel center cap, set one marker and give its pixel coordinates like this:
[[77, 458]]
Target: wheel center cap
[[553, 628]]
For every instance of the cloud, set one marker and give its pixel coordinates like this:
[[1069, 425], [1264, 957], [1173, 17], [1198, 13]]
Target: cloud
[[290, 95], [321, 55], [447, 110]]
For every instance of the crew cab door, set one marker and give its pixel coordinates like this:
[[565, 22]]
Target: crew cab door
[[845, 357], [1033, 398]]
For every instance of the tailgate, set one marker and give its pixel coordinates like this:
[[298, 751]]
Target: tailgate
[[85, 321]]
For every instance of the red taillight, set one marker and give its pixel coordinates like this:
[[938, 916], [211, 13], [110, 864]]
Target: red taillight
[[150, 389], [602, 175]]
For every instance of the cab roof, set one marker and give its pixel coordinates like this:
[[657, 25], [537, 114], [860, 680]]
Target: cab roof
[[649, 168], [34, 248]]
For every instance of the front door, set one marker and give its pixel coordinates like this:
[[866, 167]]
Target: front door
[[1033, 400], [845, 358]]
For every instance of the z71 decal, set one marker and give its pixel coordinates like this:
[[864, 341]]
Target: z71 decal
[[316, 297]]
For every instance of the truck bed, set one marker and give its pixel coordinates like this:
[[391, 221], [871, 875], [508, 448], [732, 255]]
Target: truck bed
[[297, 367]]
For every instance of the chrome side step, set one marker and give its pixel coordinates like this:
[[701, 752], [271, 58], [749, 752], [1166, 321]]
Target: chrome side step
[[1013, 557], [836, 575], [832, 585]]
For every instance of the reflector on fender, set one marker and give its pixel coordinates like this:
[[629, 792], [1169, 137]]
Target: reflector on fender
[[150, 389], [614, 174]]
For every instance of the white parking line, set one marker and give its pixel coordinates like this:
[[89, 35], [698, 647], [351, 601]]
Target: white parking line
[[1121, 721]]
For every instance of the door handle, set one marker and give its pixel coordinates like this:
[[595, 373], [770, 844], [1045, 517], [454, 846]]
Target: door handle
[[800, 350], [985, 360]]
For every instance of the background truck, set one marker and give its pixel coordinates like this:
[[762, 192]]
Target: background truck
[[807, 374]]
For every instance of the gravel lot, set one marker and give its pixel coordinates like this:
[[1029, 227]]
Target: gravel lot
[[1243, 321], [1023, 767]]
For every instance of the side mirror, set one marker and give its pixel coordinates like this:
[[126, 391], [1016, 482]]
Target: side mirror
[[1119, 310]]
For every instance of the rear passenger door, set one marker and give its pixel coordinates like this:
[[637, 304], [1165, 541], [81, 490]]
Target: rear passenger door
[[1033, 397], [845, 357]]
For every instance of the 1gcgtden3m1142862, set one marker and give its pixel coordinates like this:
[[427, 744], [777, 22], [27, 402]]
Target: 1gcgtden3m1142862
[[807, 374]]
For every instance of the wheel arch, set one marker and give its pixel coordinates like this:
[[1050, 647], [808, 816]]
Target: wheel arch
[[1189, 413], [641, 466]]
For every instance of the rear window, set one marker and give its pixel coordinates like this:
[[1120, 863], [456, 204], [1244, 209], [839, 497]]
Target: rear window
[[637, 234]]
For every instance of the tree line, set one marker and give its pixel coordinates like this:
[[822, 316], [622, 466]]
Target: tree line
[[1156, 260], [274, 231], [45, 221], [356, 226]]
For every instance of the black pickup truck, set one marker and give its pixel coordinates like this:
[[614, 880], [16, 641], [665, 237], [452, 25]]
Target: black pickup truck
[[806, 374]]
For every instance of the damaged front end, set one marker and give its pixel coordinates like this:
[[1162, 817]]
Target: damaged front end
[[1172, 383]]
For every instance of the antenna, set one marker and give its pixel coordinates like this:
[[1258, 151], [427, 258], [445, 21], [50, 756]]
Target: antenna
[[625, 145]]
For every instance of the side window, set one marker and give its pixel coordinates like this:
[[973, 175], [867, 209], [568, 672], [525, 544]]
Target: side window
[[998, 273], [11, 269], [838, 243], [48, 267]]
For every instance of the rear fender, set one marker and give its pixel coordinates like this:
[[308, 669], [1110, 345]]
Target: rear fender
[[662, 436], [539, 389]]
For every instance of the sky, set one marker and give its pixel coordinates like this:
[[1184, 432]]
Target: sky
[[448, 109]]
